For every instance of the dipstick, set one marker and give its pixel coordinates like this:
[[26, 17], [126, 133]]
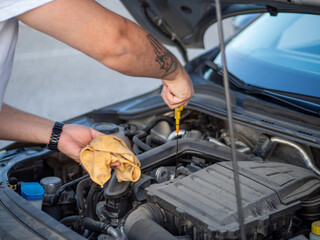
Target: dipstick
[[177, 116]]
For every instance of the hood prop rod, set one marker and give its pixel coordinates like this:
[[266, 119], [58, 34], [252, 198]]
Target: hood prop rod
[[230, 122]]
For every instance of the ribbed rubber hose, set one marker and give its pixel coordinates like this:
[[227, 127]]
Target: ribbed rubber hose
[[145, 223]]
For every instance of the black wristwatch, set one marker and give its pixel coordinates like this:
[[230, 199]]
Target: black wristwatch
[[55, 135]]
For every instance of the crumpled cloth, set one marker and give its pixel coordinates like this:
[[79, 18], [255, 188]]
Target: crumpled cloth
[[103, 150]]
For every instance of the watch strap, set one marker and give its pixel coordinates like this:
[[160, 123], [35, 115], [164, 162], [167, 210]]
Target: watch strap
[[55, 135]]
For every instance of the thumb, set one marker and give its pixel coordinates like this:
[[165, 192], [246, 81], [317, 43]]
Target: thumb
[[95, 133]]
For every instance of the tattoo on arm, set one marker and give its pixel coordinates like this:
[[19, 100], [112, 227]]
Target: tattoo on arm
[[168, 62]]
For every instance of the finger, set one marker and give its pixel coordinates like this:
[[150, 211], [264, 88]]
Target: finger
[[164, 97], [114, 164], [95, 133], [171, 101], [171, 105], [164, 83]]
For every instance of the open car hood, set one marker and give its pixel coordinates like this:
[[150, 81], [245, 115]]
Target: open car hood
[[183, 22]]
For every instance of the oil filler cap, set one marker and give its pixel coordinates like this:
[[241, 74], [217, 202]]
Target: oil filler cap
[[107, 128], [315, 228]]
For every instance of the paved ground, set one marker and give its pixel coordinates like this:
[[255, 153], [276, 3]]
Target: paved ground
[[54, 81]]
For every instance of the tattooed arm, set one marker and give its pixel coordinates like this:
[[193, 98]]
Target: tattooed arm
[[179, 90], [168, 62], [114, 41]]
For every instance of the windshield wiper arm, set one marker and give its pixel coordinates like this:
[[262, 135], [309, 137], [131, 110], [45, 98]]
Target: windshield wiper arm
[[212, 65], [292, 102], [232, 79], [296, 103]]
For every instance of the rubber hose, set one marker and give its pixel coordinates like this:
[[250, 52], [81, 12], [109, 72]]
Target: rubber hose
[[157, 120], [79, 192], [136, 149], [148, 140], [97, 198], [148, 229], [90, 224], [71, 221], [145, 223], [86, 223], [91, 207], [139, 143], [137, 137], [153, 139], [55, 199]]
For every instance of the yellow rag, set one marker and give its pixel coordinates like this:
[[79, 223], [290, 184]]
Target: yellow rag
[[106, 149]]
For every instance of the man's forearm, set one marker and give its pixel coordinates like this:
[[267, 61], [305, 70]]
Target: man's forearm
[[107, 37], [144, 56], [115, 42], [21, 126]]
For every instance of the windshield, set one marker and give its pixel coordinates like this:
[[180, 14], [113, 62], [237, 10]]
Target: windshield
[[280, 53]]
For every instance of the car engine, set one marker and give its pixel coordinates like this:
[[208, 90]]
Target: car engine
[[186, 191]]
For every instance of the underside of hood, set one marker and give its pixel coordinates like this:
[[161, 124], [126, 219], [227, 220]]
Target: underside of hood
[[183, 23]]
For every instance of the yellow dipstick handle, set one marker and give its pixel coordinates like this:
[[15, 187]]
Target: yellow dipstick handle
[[177, 116]]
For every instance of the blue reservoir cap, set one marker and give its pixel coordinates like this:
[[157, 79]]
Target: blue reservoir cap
[[32, 191]]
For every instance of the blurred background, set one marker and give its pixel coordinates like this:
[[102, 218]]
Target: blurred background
[[54, 81]]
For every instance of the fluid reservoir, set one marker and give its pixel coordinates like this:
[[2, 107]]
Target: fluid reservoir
[[112, 129], [33, 192], [315, 231], [50, 185]]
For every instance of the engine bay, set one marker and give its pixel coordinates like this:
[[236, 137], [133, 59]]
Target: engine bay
[[186, 191]]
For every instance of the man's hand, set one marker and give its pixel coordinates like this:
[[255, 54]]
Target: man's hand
[[75, 137], [177, 92], [17, 125]]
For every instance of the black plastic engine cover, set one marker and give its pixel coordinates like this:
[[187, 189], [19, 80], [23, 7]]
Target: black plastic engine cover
[[205, 201]]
